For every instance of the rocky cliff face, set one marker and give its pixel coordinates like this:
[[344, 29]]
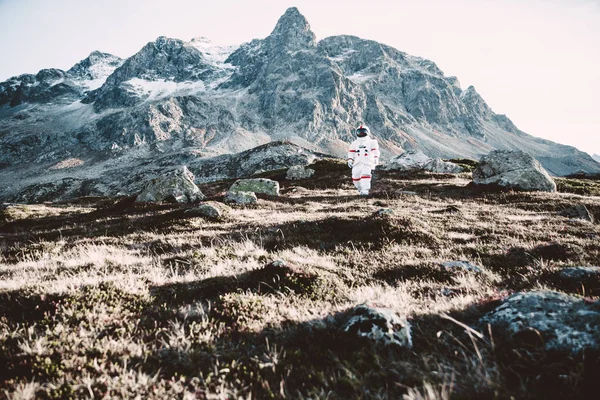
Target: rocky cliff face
[[173, 96]]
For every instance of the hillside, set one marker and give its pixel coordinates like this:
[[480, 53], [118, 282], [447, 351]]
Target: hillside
[[104, 297]]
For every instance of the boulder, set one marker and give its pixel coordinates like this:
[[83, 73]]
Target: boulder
[[241, 198], [578, 211], [209, 210], [177, 185], [579, 279], [297, 191], [513, 169], [299, 172], [381, 325], [460, 265], [554, 320], [580, 273], [415, 160], [257, 185], [439, 166], [408, 161], [383, 212]]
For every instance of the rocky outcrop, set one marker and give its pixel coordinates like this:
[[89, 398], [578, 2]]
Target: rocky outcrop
[[415, 160], [267, 157], [407, 161], [210, 210], [258, 185], [461, 266], [176, 185], [440, 166], [383, 212], [556, 321], [299, 172], [381, 325], [243, 198], [581, 279], [580, 273], [514, 170]]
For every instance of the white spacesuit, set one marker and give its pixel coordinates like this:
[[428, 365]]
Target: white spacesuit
[[363, 156]]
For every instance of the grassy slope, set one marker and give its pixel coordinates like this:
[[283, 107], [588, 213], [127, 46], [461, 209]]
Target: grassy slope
[[117, 299]]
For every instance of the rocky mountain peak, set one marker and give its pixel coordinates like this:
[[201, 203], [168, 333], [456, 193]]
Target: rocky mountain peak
[[474, 102], [292, 32], [96, 65], [98, 56], [163, 41]]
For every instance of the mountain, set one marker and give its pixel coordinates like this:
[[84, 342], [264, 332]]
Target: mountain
[[176, 96], [596, 157]]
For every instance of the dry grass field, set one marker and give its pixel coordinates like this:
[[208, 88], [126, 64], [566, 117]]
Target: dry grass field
[[104, 298]]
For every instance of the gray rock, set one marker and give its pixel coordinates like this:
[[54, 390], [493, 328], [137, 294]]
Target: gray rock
[[177, 184], [268, 157], [381, 325], [578, 211], [461, 265], [256, 185], [408, 161], [382, 212], [557, 321], [514, 170], [415, 160], [243, 198], [442, 167], [580, 273], [586, 279], [299, 172], [210, 210]]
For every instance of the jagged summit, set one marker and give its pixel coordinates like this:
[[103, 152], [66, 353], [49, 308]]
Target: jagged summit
[[473, 100], [96, 65], [292, 32]]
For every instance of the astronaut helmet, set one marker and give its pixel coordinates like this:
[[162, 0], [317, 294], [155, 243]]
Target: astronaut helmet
[[363, 131]]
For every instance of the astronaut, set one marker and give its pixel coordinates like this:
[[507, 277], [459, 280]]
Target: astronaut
[[363, 156]]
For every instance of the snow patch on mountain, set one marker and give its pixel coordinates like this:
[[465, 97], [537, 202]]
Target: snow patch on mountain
[[596, 157], [360, 77], [213, 54], [343, 56], [161, 88], [102, 69]]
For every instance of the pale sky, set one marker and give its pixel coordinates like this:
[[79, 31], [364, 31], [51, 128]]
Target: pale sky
[[537, 61]]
